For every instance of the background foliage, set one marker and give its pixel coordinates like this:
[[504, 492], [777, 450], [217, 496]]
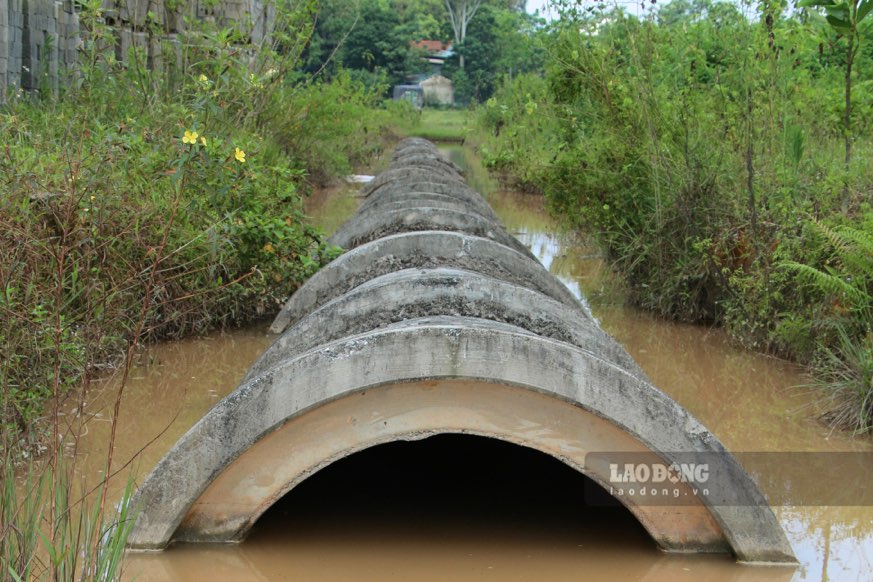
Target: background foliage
[[373, 41], [705, 145]]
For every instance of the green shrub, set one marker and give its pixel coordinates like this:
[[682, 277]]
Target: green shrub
[[706, 154]]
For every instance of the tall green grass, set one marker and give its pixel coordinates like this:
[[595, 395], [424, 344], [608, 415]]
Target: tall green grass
[[50, 530]]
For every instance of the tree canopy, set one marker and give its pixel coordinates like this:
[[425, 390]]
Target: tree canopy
[[374, 41]]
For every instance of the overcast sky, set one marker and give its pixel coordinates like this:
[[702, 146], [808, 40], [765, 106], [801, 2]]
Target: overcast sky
[[534, 5], [631, 6]]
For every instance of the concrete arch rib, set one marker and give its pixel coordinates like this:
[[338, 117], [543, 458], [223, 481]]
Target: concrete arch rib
[[436, 163], [475, 202], [417, 293], [432, 201], [433, 353], [407, 155], [419, 249], [359, 230], [438, 187], [409, 175]]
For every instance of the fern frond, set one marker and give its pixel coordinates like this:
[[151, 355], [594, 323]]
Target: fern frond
[[833, 237], [830, 283], [862, 238], [853, 254], [859, 251]]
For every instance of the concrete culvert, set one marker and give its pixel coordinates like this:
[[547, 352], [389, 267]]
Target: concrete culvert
[[425, 153], [435, 376], [418, 161], [405, 198], [409, 175], [437, 322], [397, 191], [412, 143]]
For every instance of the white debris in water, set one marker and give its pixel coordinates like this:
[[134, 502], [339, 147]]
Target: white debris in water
[[359, 179]]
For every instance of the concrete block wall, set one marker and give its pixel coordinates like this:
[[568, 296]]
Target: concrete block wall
[[4, 46], [11, 36], [38, 43], [40, 39]]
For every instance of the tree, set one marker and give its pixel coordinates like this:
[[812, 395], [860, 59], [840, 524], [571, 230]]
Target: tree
[[499, 42], [461, 12], [844, 17], [369, 38]]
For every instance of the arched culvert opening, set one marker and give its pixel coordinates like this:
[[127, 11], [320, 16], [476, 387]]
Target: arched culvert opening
[[453, 488]]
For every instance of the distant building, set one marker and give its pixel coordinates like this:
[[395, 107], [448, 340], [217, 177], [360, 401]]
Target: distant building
[[438, 91], [437, 52], [412, 93], [432, 88]]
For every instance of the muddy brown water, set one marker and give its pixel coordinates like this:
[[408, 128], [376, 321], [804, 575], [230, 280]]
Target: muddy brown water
[[458, 508]]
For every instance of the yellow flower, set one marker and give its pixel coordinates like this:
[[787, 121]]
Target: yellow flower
[[203, 140], [240, 155], [268, 248], [190, 137], [203, 78]]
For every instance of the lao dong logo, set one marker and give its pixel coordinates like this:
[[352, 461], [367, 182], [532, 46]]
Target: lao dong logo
[[658, 473], [658, 482]]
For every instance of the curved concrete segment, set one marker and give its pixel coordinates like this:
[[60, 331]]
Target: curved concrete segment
[[436, 164], [409, 154], [362, 229], [450, 188], [456, 190], [436, 201], [417, 293], [408, 197], [263, 439], [411, 144], [407, 175], [419, 249]]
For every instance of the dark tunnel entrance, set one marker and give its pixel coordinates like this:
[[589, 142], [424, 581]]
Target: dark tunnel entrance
[[453, 487]]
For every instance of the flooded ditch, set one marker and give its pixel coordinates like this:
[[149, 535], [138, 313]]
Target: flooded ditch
[[418, 513]]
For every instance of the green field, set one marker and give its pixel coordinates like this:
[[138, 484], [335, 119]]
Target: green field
[[437, 125]]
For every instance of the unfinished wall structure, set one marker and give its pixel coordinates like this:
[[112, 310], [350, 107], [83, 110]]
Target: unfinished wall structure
[[41, 40]]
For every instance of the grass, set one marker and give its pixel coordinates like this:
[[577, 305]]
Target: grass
[[49, 530], [441, 125]]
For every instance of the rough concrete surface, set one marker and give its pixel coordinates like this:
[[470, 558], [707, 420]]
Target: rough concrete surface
[[421, 195], [417, 293], [437, 201], [447, 348], [398, 175], [363, 229], [419, 249]]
